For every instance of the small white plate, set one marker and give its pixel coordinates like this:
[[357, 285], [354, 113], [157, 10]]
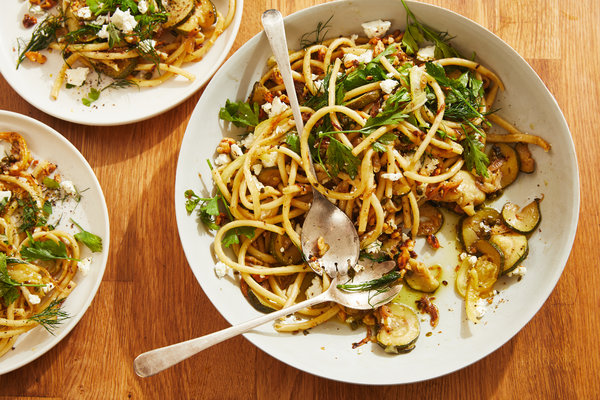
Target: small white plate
[[91, 213], [114, 107], [326, 351]]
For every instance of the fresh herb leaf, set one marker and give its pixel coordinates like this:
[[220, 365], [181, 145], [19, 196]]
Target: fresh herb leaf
[[93, 242], [381, 143], [119, 84], [474, 156], [393, 111], [293, 141], [51, 316], [44, 250], [8, 286], [232, 236], [93, 95], [114, 35], [240, 113], [319, 34], [209, 208], [381, 257], [32, 215], [339, 157], [374, 284], [42, 36], [191, 201], [50, 183]]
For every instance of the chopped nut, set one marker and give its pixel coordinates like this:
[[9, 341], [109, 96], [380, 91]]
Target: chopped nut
[[225, 146], [322, 247], [36, 56]]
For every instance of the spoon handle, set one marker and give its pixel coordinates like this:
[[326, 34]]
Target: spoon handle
[[157, 360]]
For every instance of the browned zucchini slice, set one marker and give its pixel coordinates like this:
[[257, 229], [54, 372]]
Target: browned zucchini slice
[[270, 176], [179, 11], [430, 221], [492, 252], [523, 220], [515, 248], [477, 226], [364, 99], [283, 249], [204, 15], [398, 328], [424, 279], [123, 68]]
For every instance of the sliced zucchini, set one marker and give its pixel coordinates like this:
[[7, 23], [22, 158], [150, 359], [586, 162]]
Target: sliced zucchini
[[527, 163], [364, 100], [503, 168], [515, 248], [398, 328], [487, 274], [493, 252], [430, 221], [255, 302], [283, 249], [270, 176], [179, 11], [423, 278], [462, 276], [118, 69], [203, 16], [524, 220], [477, 226], [258, 94], [472, 296]]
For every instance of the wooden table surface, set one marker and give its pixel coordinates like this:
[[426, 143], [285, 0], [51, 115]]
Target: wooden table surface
[[149, 296]]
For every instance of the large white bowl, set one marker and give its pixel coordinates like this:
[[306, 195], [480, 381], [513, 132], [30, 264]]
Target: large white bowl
[[114, 107], [91, 213], [326, 351]]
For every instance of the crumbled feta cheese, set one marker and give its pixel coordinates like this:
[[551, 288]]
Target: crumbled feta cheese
[[269, 159], [405, 237], [275, 108], [484, 227], [68, 187], [48, 287], [248, 140], [257, 183], [147, 45], [142, 6], [314, 289], [426, 53], [5, 196], [236, 151], [103, 32], [392, 177], [101, 20], [319, 84], [353, 37], [76, 76], [222, 159], [374, 247], [481, 307], [472, 260], [388, 85], [314, 77], [123, 20], [84, 265], [37, 10], [430, 165], [358, 267], [376, 28], [34, 299], [365, 57], [221, 269], [390, 74], [519, 271], [462, 256], [84, 13], [256, 168]]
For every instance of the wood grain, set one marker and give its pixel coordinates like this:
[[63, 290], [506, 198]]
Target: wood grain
[[149, 289]]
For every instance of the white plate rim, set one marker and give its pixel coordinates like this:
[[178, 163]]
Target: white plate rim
[[255, 337], [28, 124]]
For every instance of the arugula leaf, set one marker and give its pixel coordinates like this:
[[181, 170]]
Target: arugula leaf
[[474, 156], [232, 235], [382, 141], [411, 39], [46, 251], [368, 73], [240, 113], [339, 157], [50, 183], [93, 242]]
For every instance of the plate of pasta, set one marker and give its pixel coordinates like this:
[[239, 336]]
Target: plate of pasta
[[55, 239], [117, 61], [444, 163]]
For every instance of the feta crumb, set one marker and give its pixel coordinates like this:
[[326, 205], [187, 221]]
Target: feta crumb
[[472, 260], [484, 227], [5, 196], [269, 159], [84, 13], [68, 187], [405, 237], [320, 85], [365, 57], [123, 20], [376, 28], [275, 108], [358, 267], [84, 266], [147, 45], [481, 308], [248, 140], [426, 53], [257, 183], [221, 269], [256, 168], [388, 85], [374, 247], [462, 256], [101, 20], [430, 165], [142, 6], [76, 76], [222, 159], [353, 37], [236, 151], [37, 10], [34, 299], [392, 177], [48, 287], [314, 289], [103, 32], [519, 271]]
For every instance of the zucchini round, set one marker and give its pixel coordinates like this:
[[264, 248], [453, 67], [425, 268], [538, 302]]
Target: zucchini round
[[179, 11], [121, 70], [493, 252], [515, 248], [524, 220], [257, 303], [398, 328], [364, 100], [203, 16], [283, 249], [430, 221], [424, 279], [476, 227], [472, 296]]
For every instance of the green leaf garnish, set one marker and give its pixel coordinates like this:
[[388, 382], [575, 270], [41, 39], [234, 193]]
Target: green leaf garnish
[[52, 316], [93, 95], [93, 242], [50, 183], [232, 235], [43, 35], [339, 157], [374, 284], [44, 250], [241, 114], [474, 156]]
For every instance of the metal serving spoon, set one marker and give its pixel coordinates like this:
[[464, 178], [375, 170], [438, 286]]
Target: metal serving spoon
[[155, 361], [323, 220]]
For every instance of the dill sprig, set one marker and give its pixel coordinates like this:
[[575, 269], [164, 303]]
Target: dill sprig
[[43, 35], [52, 316], [320, 32], [375, 284]]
